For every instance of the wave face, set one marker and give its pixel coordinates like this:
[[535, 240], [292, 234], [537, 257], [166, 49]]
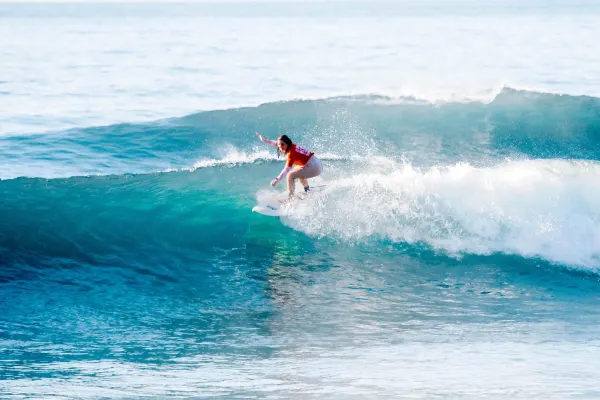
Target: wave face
[[515, 176]]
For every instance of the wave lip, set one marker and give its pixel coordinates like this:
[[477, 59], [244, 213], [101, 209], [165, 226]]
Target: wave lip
[[232, 157]]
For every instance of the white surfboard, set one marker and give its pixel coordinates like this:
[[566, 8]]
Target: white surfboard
[[277, 204], [273, 205], [270, 210]]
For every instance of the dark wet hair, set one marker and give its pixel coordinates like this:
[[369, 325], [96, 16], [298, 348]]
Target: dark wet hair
[[287, 141]]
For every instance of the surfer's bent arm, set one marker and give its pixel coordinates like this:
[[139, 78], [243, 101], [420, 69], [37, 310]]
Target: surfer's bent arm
[[272, 143], [288, 167], [283, 173]]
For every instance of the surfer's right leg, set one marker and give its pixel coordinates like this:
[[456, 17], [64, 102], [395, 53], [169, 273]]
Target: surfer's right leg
[[291, 182], [313, 168]]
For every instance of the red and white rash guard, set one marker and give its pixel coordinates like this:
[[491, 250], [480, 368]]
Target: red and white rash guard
[[295, 156]]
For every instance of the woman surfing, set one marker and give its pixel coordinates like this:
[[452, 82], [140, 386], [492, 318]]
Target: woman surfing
[[300, 164]]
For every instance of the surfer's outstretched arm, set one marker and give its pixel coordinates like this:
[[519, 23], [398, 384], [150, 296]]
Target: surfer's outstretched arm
[[272, 143]]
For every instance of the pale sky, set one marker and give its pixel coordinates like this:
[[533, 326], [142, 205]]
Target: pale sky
[[157, 1], [164, 1]]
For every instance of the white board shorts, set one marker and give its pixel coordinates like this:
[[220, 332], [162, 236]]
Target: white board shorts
[[312, 168]]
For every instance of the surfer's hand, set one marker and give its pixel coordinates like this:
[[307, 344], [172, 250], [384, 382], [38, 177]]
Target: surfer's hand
[[274, 182], [259, 135]]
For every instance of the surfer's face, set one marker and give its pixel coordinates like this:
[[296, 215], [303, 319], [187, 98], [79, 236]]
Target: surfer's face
[[282, 145]]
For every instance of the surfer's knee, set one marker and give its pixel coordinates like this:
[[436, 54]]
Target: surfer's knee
[[291, 176]]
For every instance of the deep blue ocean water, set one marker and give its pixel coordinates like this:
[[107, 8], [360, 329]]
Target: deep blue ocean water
[[454, 253]]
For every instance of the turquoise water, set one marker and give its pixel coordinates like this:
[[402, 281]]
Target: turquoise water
[[454, 252]]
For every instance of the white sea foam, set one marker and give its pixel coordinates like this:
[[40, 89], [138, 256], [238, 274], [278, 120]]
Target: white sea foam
[[534, 208]]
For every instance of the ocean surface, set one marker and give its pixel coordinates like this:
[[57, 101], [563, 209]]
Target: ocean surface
[[453, 253]]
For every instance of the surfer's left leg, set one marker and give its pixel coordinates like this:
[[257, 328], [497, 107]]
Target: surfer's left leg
[[304, 183]]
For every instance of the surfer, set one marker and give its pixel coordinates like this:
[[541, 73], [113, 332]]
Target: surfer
[[301, 164]]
